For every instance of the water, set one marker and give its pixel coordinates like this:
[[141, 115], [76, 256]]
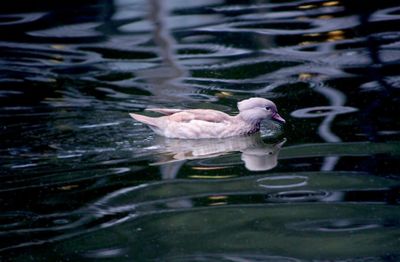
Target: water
[[81, 181]]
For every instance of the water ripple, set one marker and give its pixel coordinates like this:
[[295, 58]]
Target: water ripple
[[343, 225], [279, 182], [17, 19]]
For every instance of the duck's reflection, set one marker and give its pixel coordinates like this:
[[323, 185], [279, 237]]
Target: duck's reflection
[[256, 154]]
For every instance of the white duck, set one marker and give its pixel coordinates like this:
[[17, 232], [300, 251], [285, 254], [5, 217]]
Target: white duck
[[207, 123]]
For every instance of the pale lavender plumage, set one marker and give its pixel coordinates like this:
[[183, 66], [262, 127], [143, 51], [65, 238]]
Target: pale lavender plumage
[[207, 123]]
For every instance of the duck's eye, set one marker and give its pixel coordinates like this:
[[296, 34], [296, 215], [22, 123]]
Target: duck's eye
[[268, 108]]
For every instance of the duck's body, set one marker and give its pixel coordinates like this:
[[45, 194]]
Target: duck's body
[[197, 124], [207, 123]]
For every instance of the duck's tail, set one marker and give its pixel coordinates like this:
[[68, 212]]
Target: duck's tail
[[151, 121]]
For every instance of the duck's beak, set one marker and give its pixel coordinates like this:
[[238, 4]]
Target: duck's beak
[[278, 118]]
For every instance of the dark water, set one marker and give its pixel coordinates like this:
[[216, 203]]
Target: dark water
[[81, 181]]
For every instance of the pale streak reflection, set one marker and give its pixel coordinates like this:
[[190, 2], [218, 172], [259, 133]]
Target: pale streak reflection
[[165, 80], [336, 99], [255, 153]]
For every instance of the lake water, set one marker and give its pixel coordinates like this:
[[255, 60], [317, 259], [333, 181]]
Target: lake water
[[82, 181]]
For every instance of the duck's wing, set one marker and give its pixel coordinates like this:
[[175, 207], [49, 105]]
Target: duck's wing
[[165, 111], [207, 115]]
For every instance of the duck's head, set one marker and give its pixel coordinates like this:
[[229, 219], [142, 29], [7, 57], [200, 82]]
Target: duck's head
[[256, 109]]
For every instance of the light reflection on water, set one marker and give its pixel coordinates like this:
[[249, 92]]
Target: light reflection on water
[[82, 181]]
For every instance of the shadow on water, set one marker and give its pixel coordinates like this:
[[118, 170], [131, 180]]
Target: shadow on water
[[82, 181]]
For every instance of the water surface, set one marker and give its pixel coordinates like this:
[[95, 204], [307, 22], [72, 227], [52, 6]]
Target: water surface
[[81, 181]]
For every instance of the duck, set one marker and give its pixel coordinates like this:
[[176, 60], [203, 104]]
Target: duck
[[209, 123]]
